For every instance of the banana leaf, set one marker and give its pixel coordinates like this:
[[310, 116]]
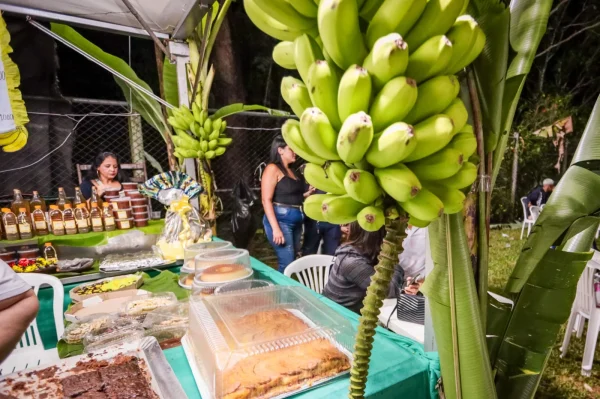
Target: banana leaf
[[170, 87], [528, 22], [543, 306], [464, 360], [239, 107], [155, 164], [145, 105]]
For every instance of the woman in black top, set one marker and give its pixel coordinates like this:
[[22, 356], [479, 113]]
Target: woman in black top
[[105, 173], [282, 196]]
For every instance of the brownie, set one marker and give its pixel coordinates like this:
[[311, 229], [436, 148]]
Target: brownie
[[5, 396], [120, 371], [80, 383], [92, 395], [135, 387]]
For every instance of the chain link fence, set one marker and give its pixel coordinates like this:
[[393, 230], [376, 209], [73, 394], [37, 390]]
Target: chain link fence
[[67, 132]]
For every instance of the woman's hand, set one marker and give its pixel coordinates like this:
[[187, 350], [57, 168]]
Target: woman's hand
[[311, 191], [412, 288], [99, 189], [278, 238]]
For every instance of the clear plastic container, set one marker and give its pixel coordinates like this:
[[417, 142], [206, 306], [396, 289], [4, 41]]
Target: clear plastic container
[[227, 256], [148, 303], [169, 316], [167, 337], [75, 332], [192, 251], [242, 285], [121, 203], [117, 331], [29, 253], [284, 329], [219, 275], [140, 223], [186, 280]]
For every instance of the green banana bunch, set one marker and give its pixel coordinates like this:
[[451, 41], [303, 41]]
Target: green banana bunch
[[388, 58], [392, 145], [393, 102], [313, 206], [328, 178], [341, 209], [437, 18], [434, 96], [458, 113], [441, 165], [467, 40], [355, 137], [399, 182], [269, 25], [318, 133], [371, 218], [424, 206], [293, 138], [354, 93], [286, 14], [306, 53], [323, 84], [295, 94], [432, 134], [430, 59], [387, 18], [362, 186]]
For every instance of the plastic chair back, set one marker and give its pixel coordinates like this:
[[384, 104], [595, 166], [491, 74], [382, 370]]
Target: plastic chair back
[[311, 271], [585, 300], [535, 212], [524, 203]]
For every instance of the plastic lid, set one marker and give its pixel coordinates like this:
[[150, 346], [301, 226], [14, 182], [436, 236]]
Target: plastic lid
[[67, 206], [54, 207], [242, 285], [94, 204], [22, 209], [48, 244], [6, 210], [38, 207], [81, 206]]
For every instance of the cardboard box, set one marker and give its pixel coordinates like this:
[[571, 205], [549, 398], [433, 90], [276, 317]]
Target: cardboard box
[[104, 303], [75, 297]]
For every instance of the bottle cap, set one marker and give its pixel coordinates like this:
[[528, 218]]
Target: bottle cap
[[80, 206], [54, 207], [48, 244], [94, 204], [67, 206], [38, 207], [22, 209], [5, 210]]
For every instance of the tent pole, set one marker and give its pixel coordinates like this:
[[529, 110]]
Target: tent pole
[[147, 28]]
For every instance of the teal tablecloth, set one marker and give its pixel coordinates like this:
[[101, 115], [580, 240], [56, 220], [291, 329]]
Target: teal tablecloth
[[399, 366]]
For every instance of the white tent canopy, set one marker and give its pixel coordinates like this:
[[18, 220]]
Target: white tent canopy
[[166, 18]]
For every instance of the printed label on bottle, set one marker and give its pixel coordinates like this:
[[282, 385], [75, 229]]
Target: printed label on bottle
[[24, 228], [121, 215], [97, 222], [58, 226], [11, 229], [40, 225], [115, 205], [125, 224], [70, 224], [109, 221]]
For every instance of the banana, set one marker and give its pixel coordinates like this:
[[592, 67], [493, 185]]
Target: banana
[[19, 142], [186, 114], [212, 144], [313, 206], [371, 218], [293, 138], [208, 125], [209, 155], [473, 53], [204, 146], [413, 221], [224, 141], [268, 24], [283, 12], [214, 135], [464, 142], [283, 55], [295, 94], [340, 31], [386, 19], [328, 178], [398, 181], [430, 59], [369, 9], [362, 165], [388, 58], [187, 152], [362, 186], [223, 126], [437, 18], [424, 206], [463, 178], [355, 137], [458, 113], [438, 166], [354, 93], [176, 123], [220, 151], [323, 84], [433, 134], [216, 125], [318, 134], [305, 7], [10, 137], [204, 116], [411, 17], [434, 96], [341, 209], [306, 52], [452, 198], [187, 141], [393, 102], [463, 36], [392, 145], [197, 112]]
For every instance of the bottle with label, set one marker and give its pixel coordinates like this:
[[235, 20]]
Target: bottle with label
[[96, 217], [24, 222], [9, 220], [107, 216], [79, 198], [37, 200], [94, 198], [82, 217], [19, 202], [69, 219], [39, 221], [50, 253], [56, 221], [62, 199]]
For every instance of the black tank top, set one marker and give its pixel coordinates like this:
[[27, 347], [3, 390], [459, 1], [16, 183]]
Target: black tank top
[[289, 191]]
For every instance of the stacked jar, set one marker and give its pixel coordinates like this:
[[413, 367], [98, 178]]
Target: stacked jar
[[111, 193], [8, 256], [122, 212], [139, 204]]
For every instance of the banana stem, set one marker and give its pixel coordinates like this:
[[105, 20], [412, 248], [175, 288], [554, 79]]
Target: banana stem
[[377, 291], [214, 30]]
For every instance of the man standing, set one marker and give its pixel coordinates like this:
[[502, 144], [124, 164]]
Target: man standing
[[539, 196]]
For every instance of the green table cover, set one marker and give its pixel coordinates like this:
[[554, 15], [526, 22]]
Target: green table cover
[[399, 366]]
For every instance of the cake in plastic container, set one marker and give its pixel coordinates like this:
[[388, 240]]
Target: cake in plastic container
[[115, 332], [266, 343], [219, 267], [188, 269], [147, 303]]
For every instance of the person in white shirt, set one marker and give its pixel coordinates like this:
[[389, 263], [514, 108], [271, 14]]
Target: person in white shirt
[[412, 259], [18, 308]]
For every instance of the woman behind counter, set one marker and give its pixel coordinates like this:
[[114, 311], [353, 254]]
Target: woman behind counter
[[105, 173], [282, 191]]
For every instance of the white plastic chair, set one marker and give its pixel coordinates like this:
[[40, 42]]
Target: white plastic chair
[[30, 351], [527, 222], [311, 271], [584, 308]]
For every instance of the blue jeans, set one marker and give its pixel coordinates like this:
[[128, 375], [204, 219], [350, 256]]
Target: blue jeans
[[290, 223], [314, 232]]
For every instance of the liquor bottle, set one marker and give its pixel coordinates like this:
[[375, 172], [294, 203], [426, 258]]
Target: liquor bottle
[[94, 198], [62, 199], [19, 202], [9, 220], [107, 216], [79, 198], [24, 222], [69, 219], [39, 221], [37, 200], [96, 217], [56, 221], [50, 253], [82, 218]]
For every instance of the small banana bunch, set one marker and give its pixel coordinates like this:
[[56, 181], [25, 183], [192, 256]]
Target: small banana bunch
[[380, 117], [197, 135]]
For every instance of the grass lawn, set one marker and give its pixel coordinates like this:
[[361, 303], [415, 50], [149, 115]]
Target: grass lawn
[[562, 378]]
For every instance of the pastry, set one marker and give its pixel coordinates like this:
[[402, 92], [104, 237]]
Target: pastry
[[222, 273]]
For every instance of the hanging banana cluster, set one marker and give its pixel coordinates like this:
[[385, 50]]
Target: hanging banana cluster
[[14, 140], [196, 134], [377, 102]]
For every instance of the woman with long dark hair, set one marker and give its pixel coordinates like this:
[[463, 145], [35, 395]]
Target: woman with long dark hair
[[105, 173], [282, 191]]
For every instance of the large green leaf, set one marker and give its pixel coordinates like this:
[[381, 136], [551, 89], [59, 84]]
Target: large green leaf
[[588, 149], [145, 105], [542, 308], [450, 254], [239, 107], [170, 87]]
